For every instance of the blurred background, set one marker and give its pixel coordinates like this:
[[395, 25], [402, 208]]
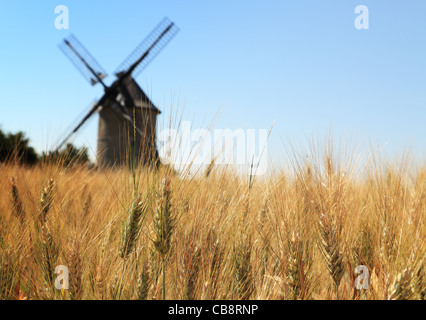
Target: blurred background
[[301, 65]]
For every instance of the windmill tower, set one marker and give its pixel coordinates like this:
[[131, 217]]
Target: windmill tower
[[127, 117], [116, 135]]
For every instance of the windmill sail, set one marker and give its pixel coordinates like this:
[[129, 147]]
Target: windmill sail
[[148, 49], [65, 136], [89, 68], [92, 111]]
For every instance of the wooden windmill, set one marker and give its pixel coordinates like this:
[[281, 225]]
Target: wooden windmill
[[127, 117]]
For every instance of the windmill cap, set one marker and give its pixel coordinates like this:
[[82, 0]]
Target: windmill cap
[[140, 99]]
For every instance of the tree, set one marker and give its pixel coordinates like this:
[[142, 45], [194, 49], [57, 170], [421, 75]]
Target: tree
[[15, 147], [68, 157]]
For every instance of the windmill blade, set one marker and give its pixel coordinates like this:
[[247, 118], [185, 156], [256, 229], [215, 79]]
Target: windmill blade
[[90, 69], [65, 133], [94, 109], [149, 48]]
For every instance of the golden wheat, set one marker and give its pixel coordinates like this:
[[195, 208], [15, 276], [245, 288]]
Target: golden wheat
[[294, 235]]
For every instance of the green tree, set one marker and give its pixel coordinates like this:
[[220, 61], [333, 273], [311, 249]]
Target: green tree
[[68, 157], [16, 147]]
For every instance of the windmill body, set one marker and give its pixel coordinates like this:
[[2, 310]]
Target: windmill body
[[117, 138], [127, 117]]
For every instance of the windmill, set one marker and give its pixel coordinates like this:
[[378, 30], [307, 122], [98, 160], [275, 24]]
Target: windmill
[[127, 117]]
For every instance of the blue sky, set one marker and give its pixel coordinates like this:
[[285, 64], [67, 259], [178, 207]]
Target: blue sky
[[302, 64]]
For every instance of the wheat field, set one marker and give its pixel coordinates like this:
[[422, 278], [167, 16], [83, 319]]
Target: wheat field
[[153, 234]]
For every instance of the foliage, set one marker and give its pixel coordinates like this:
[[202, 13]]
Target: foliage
[[15, 147], [67, 157]]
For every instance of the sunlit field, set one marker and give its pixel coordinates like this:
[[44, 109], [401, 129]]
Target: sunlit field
[[157, 234]]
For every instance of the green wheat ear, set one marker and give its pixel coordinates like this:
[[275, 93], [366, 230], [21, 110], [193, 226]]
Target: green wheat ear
[[163, 219], [133, 225], [164, 224], [330, 248]]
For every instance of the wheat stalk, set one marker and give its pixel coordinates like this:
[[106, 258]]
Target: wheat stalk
[[401, 288], [75, 266], [298, 267], [189, 269], [419, 282], [242, 254]]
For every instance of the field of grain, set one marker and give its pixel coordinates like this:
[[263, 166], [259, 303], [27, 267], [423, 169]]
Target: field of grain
[[153, 234]]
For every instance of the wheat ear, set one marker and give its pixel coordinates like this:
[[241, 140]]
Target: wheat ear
[[132, 227], [17, 206], [330, 248]]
